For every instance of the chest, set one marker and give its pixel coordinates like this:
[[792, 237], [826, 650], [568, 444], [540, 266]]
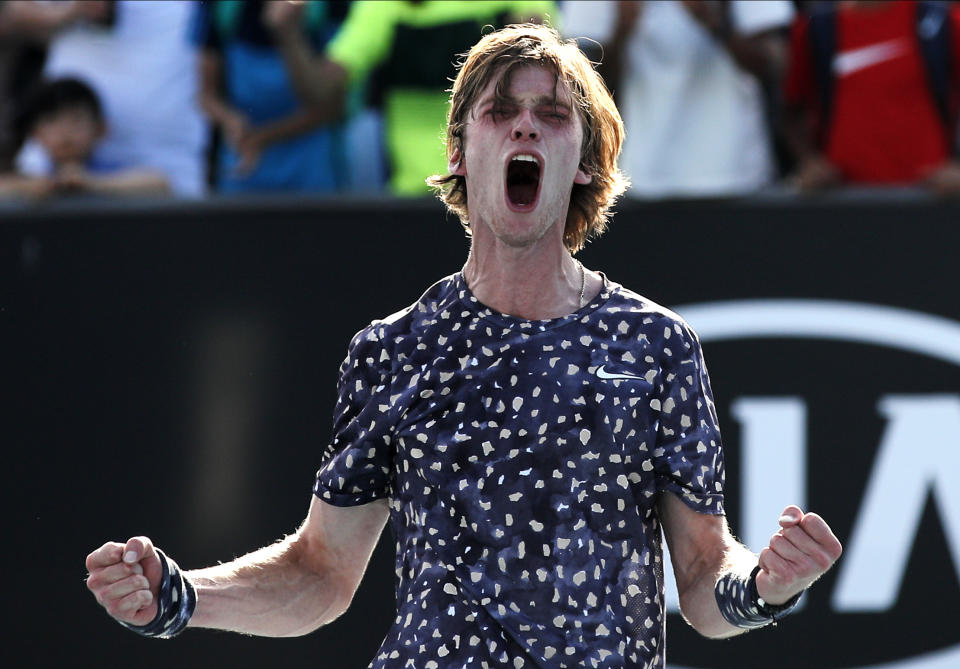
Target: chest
[[547, 415]]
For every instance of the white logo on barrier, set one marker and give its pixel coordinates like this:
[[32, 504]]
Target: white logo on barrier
[[885, 524]]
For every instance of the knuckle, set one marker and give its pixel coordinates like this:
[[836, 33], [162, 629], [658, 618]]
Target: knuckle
[[836, 549], [823, 561]]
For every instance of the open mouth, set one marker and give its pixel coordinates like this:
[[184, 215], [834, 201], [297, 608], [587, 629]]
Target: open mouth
[[523, 181]]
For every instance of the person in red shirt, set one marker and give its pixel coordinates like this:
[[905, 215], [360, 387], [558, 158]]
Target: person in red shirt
[[866, 108]]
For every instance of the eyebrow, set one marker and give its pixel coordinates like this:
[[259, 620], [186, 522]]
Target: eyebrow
[[542, 100]]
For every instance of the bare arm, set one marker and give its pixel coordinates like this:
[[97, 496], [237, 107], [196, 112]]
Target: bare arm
[[317, 80], [233, 123], [763, 54], [612, 66], [13, 185], [74, 178], [130, 182], [702, 548], [245, 139], [814, 170], [41, 20], [287, 589]]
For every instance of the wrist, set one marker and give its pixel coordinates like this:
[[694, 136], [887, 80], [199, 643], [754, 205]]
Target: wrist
[[740, 603], [774, 606], [176, 602]]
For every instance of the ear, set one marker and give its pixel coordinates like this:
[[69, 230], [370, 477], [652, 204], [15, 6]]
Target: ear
[[101, 130], [456, 164], [582, 177]]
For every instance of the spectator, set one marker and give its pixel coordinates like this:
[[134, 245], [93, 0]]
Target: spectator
[[271, 141], [64, 117], [409, 49], [871, 92], [25, 27], [139, 61], [690, 79]]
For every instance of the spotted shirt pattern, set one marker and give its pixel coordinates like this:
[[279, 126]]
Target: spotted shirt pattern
[[522, 461]]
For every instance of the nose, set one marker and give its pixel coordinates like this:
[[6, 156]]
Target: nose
[[525, 127]]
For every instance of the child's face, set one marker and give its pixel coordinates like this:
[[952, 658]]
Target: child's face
[[69, 135]]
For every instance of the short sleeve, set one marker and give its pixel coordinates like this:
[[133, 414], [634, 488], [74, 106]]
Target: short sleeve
[[203, 34], [688, 458], [590, 20], [358, 464], [750, 18]]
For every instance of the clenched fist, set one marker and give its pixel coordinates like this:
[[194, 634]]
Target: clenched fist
[[803, 550], [125, 579]]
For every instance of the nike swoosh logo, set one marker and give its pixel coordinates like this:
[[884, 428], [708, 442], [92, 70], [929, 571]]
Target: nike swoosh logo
[[604, 374], [854, 60]]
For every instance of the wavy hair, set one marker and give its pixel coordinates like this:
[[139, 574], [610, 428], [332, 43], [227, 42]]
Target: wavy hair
[[498, 55]]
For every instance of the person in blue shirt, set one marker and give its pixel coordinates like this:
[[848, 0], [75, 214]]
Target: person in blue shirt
[[528, 427], [271, 140]]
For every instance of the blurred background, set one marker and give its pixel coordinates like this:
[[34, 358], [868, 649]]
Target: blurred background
[[200, 203]]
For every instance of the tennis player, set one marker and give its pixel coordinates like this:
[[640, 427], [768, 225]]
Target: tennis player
[[528, 426]]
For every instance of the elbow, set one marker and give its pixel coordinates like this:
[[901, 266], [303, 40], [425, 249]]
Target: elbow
[[328, 587], [706, 625], [324, 605]]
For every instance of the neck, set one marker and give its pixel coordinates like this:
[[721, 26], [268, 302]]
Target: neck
[[532, 282]]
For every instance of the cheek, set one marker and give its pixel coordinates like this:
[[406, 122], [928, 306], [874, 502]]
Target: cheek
[[46, 134]]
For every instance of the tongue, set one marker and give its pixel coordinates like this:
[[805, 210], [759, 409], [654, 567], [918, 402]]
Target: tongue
[[522, 193]]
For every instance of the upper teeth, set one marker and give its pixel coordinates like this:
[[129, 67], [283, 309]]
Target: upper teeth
[[526, 157]]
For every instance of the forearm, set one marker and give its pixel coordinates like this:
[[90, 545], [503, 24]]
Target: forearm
[[317, 81], [34, 20], [134, 182], [216, 108], [698, 601], [296, 124], [798, 133], [612, 65], [763, 56], [20, 186], [277, 591]]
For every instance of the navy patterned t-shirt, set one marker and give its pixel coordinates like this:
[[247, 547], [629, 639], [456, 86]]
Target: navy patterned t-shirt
[[523, 461]]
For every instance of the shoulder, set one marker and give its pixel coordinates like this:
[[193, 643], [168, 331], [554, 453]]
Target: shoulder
[[628, 316], [413, 318], [757, 17], [644, 310]]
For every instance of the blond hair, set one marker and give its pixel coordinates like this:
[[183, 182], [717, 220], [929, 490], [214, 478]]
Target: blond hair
[[498, 54]]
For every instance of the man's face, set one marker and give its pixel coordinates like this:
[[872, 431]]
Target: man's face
[[68, 135], [522, 157]]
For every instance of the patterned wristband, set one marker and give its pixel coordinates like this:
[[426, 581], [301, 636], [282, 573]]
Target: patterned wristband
[[176, 601], [741, 604]]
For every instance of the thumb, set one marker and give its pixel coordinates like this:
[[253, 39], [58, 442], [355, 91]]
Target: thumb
[[140, 551], [792, 515]]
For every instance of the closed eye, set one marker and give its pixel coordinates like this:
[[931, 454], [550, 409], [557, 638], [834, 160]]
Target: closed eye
[[554, 113], [501, 112]]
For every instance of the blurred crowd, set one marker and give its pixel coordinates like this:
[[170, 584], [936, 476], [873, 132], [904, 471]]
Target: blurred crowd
[[719, 98]]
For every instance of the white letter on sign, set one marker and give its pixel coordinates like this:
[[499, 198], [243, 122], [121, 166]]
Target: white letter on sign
[[919, 453], [773, 450]]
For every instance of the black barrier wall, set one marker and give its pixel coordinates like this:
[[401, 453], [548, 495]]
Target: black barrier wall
[[170, 370]]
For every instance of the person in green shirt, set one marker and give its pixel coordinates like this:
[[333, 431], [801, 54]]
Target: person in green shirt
[[408, 49]]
